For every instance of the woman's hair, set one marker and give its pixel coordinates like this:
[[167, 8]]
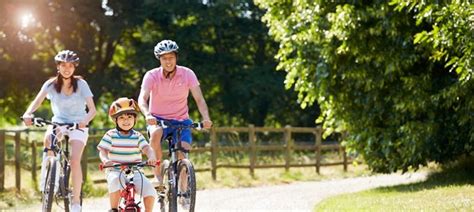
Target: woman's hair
[[58, 83]]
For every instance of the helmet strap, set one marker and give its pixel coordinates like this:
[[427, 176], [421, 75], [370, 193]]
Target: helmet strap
[[169, 73], [122, 130]]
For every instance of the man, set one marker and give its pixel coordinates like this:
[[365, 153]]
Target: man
[[164, 96]]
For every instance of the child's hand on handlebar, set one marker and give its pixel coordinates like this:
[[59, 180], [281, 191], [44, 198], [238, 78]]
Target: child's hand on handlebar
[[152, 162]]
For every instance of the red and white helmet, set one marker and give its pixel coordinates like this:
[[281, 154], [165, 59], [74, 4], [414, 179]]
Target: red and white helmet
[[67, 56], [165, 46]]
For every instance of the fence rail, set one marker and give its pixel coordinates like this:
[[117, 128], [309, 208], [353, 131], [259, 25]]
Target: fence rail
[[22, 142]]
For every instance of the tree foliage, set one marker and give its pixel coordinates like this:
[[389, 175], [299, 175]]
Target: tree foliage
[[224, 42], [397, 76]]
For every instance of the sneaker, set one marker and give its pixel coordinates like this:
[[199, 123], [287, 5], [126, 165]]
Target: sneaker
[[185, 203], [76, 208]]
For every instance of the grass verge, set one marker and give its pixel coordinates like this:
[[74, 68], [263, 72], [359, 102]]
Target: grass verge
[[448, 188]]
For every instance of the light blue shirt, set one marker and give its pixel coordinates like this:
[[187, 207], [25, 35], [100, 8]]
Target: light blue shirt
[[68, 108]]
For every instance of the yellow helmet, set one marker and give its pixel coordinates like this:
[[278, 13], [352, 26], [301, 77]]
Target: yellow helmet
[[123, 105]]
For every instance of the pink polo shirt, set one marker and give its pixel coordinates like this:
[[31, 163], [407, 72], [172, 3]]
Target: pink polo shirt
[[169, 97]]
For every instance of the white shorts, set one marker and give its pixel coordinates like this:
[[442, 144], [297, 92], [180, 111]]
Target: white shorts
[[115, 185], [76, 134]]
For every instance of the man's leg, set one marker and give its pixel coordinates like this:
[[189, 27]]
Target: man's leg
[[155, 143]]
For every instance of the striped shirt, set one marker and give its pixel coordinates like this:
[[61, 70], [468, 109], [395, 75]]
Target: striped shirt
[[123, 149]]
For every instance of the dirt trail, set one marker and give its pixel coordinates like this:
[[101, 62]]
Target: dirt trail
[[300, 196]]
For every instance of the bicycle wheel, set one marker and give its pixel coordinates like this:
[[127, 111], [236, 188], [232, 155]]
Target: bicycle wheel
[[187, 186], [172, 190], [65, 191], [48, 191], [163, 189]]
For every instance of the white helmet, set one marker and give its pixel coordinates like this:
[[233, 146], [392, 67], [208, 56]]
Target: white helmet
[[67, 56], [165, 46]]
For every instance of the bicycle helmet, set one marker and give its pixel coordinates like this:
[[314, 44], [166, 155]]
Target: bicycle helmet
[[67, 56], [123, 105], [165, 46]]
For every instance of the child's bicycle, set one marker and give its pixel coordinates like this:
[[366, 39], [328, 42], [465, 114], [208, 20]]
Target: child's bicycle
[[179, 179], [127, 195], [58, 172]]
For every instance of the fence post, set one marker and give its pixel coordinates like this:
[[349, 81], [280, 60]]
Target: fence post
[[2, 160], [318, 135], [84, 164], [34, 155], [17, 162], [214, 153], [344, 153], [253, 152], [289, 146], [344, 157]]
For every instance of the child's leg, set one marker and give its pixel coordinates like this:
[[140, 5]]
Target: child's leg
[[114, 187], [146, 190], [114, 199], [149, 202]]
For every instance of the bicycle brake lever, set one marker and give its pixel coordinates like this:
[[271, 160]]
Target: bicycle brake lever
[[163, 125], [38, 122], [199, 126]]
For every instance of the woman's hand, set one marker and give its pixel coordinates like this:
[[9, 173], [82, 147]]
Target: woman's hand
[[82, 124], [28, 119]]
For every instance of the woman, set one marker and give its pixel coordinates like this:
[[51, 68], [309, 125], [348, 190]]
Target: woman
[[69, 96]]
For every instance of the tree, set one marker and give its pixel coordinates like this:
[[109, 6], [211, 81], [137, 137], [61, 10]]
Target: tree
[[397, 76]]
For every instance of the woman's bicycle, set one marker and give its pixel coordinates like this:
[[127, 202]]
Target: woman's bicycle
[[56, 186], [127, 195], [179, 179]]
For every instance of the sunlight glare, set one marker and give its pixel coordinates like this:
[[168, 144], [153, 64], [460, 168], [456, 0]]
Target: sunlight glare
[[27, 19]]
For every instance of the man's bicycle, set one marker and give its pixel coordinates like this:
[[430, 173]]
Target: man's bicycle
[[179, 179], [56, 186], [127, 195]]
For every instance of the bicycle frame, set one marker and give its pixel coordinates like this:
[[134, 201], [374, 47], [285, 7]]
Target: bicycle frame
[[57, 178], [129, 190], [172, 171]]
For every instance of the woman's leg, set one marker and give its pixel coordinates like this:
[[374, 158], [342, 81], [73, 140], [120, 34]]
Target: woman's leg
[[76, 171], [44, 163]]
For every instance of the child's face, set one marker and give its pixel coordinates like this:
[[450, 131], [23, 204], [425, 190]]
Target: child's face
[[126, 121]]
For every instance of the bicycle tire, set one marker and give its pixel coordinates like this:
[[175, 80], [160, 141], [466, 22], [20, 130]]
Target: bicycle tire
[[163, 199], [48, 191], [186, 165], [173, 190], [65, 188]]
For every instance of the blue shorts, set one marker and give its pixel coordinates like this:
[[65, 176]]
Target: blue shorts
[[170, 130]]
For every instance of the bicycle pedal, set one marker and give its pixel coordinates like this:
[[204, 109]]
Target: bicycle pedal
[[160, 188]]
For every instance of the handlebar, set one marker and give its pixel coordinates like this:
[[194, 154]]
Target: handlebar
[[40, 122], [123, 166], [166, 124]]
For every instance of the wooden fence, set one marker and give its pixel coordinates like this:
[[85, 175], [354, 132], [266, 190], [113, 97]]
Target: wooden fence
[[251, 146]]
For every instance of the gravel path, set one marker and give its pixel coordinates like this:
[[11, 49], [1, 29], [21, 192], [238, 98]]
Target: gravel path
[[300, 196]]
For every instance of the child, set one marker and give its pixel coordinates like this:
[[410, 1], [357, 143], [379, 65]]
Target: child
[[125, 145]]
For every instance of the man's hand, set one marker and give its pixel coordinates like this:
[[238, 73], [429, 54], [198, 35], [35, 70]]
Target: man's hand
[[151, 120], [207, 124]]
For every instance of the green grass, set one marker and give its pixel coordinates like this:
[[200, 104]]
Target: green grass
[[449, 188]]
